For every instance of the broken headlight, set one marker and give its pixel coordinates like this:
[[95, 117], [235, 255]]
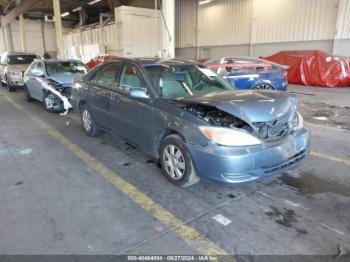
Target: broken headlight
[[229, 136], [297, 121], [58, 86]]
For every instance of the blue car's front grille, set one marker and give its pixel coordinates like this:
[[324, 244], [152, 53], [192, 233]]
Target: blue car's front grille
[[290, 162]]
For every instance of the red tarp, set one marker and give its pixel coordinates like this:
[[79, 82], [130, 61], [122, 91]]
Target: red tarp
[[314, 68], [99, 60]]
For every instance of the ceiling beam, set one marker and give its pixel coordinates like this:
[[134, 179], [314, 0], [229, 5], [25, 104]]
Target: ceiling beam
[[24, 6]]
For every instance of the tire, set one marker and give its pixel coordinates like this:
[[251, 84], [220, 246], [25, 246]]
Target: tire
[[176, 162], [88, 122], [27, 94], [263, 86], [10, 87]]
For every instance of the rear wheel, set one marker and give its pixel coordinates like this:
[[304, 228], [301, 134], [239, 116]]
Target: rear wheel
[[177, 165], [264, 86], [88, 122]]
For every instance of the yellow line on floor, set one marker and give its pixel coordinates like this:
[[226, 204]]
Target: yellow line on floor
[[332, 158], [185, 232]]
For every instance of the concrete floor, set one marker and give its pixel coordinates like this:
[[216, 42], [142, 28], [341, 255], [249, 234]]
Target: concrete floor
[[52, 202]]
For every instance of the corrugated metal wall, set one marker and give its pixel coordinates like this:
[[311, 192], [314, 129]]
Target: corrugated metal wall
[[294, 20], [229, 22], [224, 22], [343, 26], [185, 23], [36, 37], [135, 33], [92, 36]]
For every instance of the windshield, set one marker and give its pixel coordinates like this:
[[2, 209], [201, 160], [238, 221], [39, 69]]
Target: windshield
[[20, 59], [185, 80], [73, 67]]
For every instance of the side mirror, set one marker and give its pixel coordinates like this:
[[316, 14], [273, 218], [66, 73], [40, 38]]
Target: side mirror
[[138, 93]]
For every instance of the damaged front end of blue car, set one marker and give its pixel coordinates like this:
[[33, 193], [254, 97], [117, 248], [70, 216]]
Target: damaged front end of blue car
[[249, 135]]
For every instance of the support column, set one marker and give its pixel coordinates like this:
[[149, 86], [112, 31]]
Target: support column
[[338, 25], [8, 38], [168, 28], [197, 29], [58, 27], [23, 33], [253, 21]]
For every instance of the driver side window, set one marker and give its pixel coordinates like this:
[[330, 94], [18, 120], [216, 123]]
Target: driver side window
[[130, 79], [105, 77]]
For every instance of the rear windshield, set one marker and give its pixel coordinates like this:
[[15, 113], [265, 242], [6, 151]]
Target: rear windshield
[[20, 59], [74, 67]]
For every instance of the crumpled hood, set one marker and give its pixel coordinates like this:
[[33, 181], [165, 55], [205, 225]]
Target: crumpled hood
[[65, 79], [18, 68], [250, 106]]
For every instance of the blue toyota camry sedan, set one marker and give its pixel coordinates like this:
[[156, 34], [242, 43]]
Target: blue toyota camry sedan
[[189, 118], [250, 73]]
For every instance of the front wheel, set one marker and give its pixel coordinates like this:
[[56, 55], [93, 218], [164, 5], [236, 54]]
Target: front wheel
[[88, 122], [177, 165]]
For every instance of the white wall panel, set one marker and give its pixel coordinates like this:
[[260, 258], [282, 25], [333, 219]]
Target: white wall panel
[[294, 20], [75, 40], [136, 33], [343, 26], [38, 36], [224, 22], [185, 23], [34, 36], [229, 22]]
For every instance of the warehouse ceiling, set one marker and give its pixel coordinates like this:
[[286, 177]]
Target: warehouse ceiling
[[92, 12]]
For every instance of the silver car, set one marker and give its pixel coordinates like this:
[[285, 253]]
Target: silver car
[[48, 80], [12, 68]]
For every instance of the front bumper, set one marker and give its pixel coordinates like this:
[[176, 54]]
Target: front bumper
[[243, 164]]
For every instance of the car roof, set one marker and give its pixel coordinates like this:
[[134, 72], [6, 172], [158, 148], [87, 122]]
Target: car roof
[[144, 61], [54, 60]]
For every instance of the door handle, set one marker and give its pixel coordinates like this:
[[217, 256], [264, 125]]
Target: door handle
[[114, 99]]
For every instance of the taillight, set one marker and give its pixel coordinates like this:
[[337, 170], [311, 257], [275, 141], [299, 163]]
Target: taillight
[[285, 74]]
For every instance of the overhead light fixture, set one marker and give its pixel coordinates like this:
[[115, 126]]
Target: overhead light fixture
[[77, 9], [203, 2], [65, 14], [94, 2]]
